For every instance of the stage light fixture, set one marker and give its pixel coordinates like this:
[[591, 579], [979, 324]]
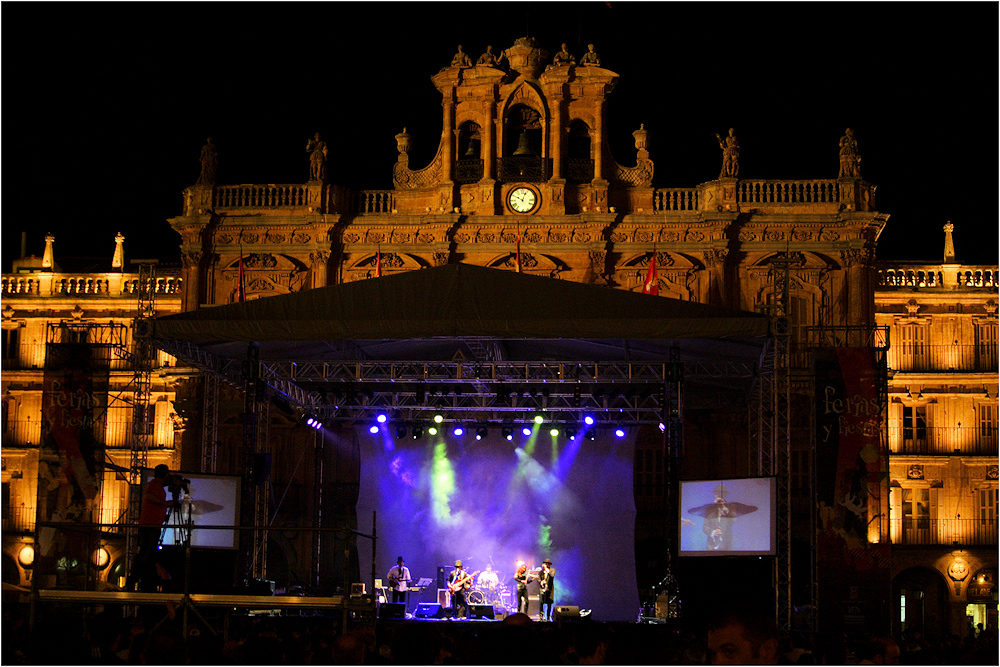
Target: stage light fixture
[[418, 432], [526, 430], [570, 432], [313, 422], [539, 419], [507, 432], [554, 432], [588, 420], [373, 428], [432, 430], [458, 430], [481, 432], [400, 431], [382, 418], [663, 427], [620, 432], [591, 435], [438, 419]]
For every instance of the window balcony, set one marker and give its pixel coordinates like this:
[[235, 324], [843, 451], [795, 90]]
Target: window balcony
[[922, 358], [937, 532], [944, 440]]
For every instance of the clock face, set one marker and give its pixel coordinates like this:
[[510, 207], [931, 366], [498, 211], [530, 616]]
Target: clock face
[[522, 200]]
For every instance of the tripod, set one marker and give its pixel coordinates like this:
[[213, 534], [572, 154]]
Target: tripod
[[181, 520]]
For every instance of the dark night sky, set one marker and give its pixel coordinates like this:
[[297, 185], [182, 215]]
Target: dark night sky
[[107, 105]]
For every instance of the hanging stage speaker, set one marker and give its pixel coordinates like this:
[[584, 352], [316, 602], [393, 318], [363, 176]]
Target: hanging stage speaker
[[481, 611], [392, 610], [428, 610], [569, 613]]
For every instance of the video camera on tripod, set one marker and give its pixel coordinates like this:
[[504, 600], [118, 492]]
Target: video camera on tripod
[[177, 485]]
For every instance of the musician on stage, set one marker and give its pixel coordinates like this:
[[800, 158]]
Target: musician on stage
[[488, 580], [459, 582], [546, 590], [398, 578], [522, 577]]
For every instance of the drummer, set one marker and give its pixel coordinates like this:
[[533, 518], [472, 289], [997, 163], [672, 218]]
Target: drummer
[[488, 580]]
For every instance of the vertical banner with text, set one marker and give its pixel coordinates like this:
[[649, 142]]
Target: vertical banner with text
[[74, 402], [852, 491]]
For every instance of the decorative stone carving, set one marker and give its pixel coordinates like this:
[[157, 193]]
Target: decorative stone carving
[[802, 235], [488, 58], [563, 58], [670, 236], [694, 237], [270, 237], [407, 179], [730, 155], [958, 570], [260, 285], [747, 237], [351, 238], [581, 236], [774, 235], [598, 258], [558, 237], [403, 144], [260, 261], [854, 256], [319, 257], [850, 161], [374, 237], [483, 236], [532, 237], [300, 238], [440, 258], [829, 236], [715, 257], [249, 237], [992, 472], [915, 471], [191, 260], [224, 239], [912, 307], [528, 260], [425, 238], [619, 237], [462, 237]]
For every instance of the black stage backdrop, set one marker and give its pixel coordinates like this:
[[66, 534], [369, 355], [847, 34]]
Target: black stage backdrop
[[493, 501]]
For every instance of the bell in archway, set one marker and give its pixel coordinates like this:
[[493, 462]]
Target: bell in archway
[[471, 151], [523, 146]]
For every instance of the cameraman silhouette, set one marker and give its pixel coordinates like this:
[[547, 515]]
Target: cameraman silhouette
[[147, 571]]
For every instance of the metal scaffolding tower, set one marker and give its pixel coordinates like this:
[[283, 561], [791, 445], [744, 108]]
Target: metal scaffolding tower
[[142, 365]]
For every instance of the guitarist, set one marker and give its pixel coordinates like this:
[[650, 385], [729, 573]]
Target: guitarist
[[546, 590], [398, 577], [459, 582]]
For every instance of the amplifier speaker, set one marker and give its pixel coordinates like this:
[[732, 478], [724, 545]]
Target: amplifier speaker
[[481, 611], [428, 610], [566, 613], [392, 610], [533, 606], [444, 597]]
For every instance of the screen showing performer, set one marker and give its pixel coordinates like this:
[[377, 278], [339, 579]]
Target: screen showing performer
[[398, 578]]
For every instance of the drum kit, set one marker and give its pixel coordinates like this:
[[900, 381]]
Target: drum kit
[[496, 595]]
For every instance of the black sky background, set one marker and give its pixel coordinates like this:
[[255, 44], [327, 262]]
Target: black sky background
[[107, 105]]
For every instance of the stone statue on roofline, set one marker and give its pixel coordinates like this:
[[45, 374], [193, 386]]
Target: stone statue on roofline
[[730, 155], [461, 59], [317, 150], [564, 58], [850, 161], [209, 163], [590, 58], [488, 58]]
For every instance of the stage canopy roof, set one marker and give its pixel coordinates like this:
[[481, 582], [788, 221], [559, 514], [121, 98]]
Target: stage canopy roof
[[461, 311]]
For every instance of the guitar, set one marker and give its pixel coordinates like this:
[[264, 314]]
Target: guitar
[[462, 582]]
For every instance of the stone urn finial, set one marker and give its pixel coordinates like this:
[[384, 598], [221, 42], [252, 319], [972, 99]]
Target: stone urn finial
[[641, 141], [403, 144], [48, 257]]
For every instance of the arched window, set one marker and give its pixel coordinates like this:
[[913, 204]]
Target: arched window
[[522, 158], [580, 162], [469, 165]]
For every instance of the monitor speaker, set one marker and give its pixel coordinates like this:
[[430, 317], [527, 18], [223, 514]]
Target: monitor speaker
[[534, 606], [392, 610], [428, 610], [565, 613], [481, 611]]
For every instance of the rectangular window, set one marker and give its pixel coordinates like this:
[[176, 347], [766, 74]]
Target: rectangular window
[[988, 507], [916, 509], [986, 347], [914, 428], [912, 348], [987, 425]]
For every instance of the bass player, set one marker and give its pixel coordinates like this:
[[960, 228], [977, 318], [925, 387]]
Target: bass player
[[459, 581]]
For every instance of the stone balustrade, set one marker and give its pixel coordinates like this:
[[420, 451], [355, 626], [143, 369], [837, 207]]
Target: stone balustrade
[[937, 276], [788, 192], [260, 196], [46, 284], [675, 199], [375, 202]]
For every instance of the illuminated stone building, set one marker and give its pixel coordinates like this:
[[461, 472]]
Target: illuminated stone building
[[524, 180]]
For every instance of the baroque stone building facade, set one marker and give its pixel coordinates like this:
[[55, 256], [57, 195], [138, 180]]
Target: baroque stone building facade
[[523, 179]]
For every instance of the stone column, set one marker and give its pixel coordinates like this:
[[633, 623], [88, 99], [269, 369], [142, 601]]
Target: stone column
[[48, 257], [191, 266], [318, 261], [859, 277], [556, 139], [598, 143], [488, 139], [447, 134]]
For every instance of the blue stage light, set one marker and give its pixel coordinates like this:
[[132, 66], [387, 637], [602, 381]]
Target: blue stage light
[[526, 430], [458, 430], [620, 432], [373, 429], [588, 420], [381, 419]]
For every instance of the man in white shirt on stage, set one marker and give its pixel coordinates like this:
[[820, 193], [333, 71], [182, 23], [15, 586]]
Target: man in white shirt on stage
[[398, 577]]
